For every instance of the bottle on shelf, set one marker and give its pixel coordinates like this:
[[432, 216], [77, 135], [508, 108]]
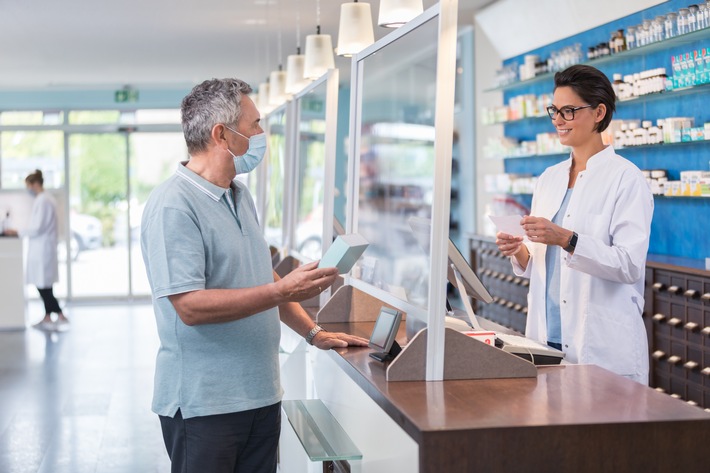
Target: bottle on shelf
[[630, 37], [692, 18], [671, 25], [682, 21]]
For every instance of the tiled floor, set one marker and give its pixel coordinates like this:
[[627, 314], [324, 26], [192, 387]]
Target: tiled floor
[[79, 401]]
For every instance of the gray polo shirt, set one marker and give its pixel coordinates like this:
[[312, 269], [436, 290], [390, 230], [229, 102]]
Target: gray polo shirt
[[194, 236]]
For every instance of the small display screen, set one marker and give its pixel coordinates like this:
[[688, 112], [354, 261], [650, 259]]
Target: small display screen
[[382, 334]]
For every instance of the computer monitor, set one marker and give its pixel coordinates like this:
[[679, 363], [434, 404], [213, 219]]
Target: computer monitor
[[474, 287], [384, 333]]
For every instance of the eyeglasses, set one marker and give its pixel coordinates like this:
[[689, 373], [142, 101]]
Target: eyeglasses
[[566, 112]]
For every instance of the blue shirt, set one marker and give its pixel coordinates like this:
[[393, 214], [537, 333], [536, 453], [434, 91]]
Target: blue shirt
[[196, 235], [552, 263]]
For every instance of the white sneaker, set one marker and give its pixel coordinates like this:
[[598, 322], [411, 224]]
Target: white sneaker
[[45, 325], [61, 325]]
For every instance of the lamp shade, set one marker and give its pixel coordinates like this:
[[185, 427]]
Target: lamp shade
[[295, 82], [319, 55], [277, 88], [355, 32], [395, 13], [263, 99]]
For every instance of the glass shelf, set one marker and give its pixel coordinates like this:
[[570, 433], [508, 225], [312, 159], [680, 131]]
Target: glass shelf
[[641, 50], [626, 148]]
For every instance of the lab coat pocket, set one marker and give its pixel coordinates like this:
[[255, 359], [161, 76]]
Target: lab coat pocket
[[598, 226], [610, 339]]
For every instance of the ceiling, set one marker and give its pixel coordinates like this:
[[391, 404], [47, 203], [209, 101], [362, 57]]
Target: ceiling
[[83, 44]]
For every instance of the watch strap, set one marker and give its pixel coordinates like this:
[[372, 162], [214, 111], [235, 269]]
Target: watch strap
[[572, 244], [312, 333]]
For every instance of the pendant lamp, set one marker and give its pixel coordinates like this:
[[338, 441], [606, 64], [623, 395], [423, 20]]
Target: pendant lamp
[[355, 32], [395, 13], [277, 88], [319, 55], [295, 81], [263, 99]]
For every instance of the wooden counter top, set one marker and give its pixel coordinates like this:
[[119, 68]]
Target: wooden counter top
[[565, 406]]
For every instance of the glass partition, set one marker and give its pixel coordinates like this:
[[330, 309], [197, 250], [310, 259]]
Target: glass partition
[[397, 162], [275, 177], [310, 172]]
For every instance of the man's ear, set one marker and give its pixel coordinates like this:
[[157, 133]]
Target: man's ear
[[217, 133]]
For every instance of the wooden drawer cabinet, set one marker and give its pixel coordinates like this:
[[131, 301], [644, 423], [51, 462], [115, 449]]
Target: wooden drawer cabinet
[[676, 315]]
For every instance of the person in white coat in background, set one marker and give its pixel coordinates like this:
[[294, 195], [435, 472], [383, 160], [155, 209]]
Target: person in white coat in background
[[587, 237], [42, 265]]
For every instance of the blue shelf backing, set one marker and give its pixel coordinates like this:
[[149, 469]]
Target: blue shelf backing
[[321, 435], [679, 226]]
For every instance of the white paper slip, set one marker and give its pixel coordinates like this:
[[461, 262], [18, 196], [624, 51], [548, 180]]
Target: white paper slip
[[344, 252], [509, 224]]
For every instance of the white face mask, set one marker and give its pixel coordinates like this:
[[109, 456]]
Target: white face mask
[[254, 155]]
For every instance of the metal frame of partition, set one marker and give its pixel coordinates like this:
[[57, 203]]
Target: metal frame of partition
[[446, 12]]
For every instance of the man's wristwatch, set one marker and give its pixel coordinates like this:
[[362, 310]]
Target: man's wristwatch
[[314, 331], [572, 244]]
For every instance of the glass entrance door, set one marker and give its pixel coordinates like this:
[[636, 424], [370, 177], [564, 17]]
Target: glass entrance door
[[98, 214]]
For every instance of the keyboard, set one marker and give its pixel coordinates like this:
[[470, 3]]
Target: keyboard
[[528, 349]]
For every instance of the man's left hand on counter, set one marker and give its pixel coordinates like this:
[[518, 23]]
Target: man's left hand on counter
[[327, 340]]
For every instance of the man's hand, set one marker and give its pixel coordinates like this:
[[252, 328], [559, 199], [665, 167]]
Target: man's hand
[[10, 232], [305, 282], [327, 340]]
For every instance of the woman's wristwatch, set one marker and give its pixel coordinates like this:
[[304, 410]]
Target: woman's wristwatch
[[312, 334], [572, 243]]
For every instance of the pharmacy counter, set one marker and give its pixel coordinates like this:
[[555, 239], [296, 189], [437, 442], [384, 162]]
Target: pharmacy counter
[[12, 284], [570, 418]]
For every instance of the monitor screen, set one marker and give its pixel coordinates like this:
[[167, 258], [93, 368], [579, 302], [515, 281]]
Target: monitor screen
[[385, 330]]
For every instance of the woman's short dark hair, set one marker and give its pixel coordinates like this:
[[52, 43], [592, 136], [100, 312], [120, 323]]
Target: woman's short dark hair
[[592, 86], [35, 177]]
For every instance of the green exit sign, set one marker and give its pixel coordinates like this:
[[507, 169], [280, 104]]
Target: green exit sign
[[126, 95]]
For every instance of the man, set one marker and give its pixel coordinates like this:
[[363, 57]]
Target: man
[[217, 300]]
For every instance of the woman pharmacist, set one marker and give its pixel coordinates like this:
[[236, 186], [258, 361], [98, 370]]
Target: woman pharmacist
[[588, 237], [42, 266]]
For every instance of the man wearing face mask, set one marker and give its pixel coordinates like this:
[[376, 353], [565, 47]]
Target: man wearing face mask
[[216, 298]]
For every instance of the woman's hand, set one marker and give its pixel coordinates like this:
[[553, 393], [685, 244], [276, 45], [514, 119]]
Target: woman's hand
[[541, 230]]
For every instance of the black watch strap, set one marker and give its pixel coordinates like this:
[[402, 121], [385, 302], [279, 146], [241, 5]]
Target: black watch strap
[[572, 244]]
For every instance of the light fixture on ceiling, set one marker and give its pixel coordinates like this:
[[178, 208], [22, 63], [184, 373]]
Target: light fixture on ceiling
[[355, 32], [263, 99], [319, 51], [395, 13], [295, 82], [277, 87]]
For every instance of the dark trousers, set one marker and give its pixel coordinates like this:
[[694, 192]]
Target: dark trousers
[[241, 442], [50, 302]]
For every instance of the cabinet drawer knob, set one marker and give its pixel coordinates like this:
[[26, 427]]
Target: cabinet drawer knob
[[674, 360], [659, 317], [675, 396], [675, 290], [706, 331], [691, 326], [692, 403], [690, 365], [660, 390], [658, 355], [706, 371], [706, 296], [658, 286], [675, 321], [691, 293]]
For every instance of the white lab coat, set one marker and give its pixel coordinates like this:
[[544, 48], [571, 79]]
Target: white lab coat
[[42, 265], [602, 283]]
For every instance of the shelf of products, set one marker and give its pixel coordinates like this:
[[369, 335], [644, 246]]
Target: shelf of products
[[621, 56], [667, 94]]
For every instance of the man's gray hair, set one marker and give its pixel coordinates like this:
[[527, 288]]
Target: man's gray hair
[[209, 103]]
